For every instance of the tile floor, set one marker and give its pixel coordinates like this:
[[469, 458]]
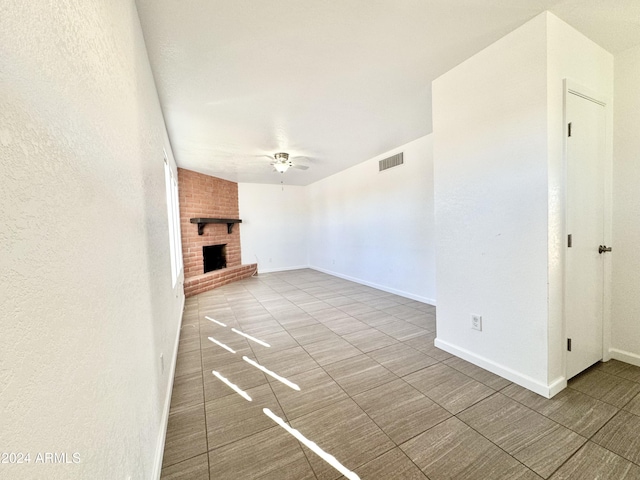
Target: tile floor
[[376, 394]]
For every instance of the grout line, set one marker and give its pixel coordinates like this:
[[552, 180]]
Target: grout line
[[309, 283], [204, 397], [502, 449], [599, 399], [568, 428], [220, 344], [280, 378], [569, 458], [232, 386], [326, 373], [186, 460], [532, 410], [273, 392], [246, 335], [330, 459], [216, 321]]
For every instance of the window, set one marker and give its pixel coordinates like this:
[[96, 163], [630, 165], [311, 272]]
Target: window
[[173, 212]]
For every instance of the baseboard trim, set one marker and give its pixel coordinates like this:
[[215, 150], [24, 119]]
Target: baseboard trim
[[284, 269], [525, 381], [557, 386], [164, 421], [624, 356], [418, 298]]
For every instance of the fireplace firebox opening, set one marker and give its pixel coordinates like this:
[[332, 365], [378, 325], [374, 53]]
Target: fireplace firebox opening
[[215, 257]]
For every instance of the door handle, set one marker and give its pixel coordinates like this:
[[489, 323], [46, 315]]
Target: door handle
[[603, 248]]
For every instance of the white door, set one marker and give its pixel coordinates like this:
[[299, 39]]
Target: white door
[[584, 288]]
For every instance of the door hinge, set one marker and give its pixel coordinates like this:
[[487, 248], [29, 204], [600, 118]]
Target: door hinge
[[568, 344], [569, 129], [569, 241]]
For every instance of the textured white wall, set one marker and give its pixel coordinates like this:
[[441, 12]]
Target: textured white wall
[[490, 171], [570, 55], [499, 182], [625, 334], [274, 226], [377, 228], [86, 300]]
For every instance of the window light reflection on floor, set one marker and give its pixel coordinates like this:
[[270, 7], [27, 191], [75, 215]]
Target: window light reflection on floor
[[273, 374], [233, 386], [265, 344], [330, 459], [220, 344], [216, 321]]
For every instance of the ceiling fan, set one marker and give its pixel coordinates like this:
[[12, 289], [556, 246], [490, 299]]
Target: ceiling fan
[[282, 163]]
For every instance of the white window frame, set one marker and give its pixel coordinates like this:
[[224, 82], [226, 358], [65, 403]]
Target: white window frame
[[173, 216]]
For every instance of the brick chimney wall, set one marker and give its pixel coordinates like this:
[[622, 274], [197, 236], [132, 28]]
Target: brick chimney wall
[[205, 196]]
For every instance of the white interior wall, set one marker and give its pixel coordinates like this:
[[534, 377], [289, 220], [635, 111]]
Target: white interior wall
[[377, 228], [573, 56], [490, 171], [274, 226], [499, 198], [371, 227], [86, 296], [625, 334]]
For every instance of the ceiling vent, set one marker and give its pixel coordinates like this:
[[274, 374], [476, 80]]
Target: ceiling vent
[[390, 162]]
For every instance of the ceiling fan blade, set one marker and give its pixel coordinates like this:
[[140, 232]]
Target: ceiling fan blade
[[299, 167]]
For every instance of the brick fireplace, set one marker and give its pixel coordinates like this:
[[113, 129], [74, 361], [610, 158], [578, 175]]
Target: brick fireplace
[[211, 197]]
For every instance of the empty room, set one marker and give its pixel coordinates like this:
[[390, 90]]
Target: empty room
[[320, 239]]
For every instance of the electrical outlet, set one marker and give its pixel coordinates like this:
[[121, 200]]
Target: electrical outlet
[[476, 322], [162, 363]]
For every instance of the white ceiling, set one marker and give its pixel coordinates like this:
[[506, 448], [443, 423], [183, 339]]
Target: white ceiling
[[337, 81]]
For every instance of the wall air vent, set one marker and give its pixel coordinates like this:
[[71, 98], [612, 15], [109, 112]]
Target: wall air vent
[[390, 162]]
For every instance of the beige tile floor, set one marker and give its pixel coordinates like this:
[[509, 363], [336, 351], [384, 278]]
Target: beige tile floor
[[376, 394]]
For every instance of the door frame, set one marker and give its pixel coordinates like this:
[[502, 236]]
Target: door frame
[[573, 88]]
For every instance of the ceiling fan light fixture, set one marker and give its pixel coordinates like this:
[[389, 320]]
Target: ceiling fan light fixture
[[281, 167], [282, 162]]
